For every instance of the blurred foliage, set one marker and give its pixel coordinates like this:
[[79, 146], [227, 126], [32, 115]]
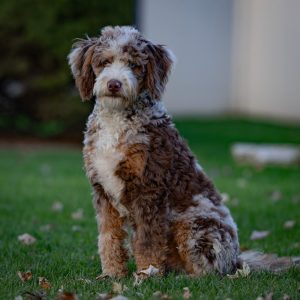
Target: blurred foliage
[[37, 93]]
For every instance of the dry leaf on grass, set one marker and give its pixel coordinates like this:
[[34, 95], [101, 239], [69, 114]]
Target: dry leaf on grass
[[39, 295], [44, 283], [140, 276], [104, 296], [119, 297], [258, 235], [57, 206], [67, 296], [118, 288], [244, 272], [102, 277], [160, 295], [269, 296], [150, 271], [186, 293], [26, 239], [225, 197], [85, 280], [140, 295], [78, 214], [289, 224], [25, 276]]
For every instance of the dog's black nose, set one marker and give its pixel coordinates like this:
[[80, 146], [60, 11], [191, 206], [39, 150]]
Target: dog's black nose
[[114, 85]]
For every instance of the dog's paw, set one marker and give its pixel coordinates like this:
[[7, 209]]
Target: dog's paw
[[142, 275], [103, 277]]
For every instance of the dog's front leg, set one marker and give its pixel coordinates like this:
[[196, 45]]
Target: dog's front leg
[[111, 240]]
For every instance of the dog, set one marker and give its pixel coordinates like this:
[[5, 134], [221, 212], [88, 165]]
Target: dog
[[142, 173]]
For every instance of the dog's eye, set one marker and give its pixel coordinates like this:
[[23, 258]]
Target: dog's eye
[[105, 62], [133, 65]]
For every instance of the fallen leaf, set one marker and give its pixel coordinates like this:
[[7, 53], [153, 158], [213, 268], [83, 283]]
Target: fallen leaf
[[289, 224], [244, 272], [225, 197], [118, 288], [39, 295], [57, 206], [160, 295], [150, 271], [286, 297], [44, 283], [119, 297], [140, 276], [157, 294], [78, 214], [102, 277], [258, 235], [67, 296], [140, 295], [85, 280], [269, 296], [186, 293], [104, 296], [26, 239], [25, 276], [19, 298]]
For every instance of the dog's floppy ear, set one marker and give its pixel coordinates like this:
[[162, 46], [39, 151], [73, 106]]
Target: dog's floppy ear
[[158, 68], [80, 59]]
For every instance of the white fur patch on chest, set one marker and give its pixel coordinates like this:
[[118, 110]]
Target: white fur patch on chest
[[106, 158]]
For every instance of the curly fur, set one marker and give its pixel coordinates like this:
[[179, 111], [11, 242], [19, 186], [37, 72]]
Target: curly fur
[[142, 172]]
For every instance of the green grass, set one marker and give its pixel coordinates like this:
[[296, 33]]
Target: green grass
[[31, 180]]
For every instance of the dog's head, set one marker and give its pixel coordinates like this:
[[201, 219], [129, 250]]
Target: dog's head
[[119, 65]]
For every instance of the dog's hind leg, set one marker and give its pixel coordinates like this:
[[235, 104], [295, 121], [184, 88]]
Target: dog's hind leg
[[206, 245], [150, 240]]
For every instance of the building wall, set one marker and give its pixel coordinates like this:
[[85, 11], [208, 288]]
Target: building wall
[[199, 34], [233, 55], [266, 58]]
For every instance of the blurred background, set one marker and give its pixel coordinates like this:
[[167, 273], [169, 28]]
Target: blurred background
[[234, 57], [236, 83]]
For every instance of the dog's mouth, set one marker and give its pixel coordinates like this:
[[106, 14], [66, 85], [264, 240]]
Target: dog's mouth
[[113, 95]]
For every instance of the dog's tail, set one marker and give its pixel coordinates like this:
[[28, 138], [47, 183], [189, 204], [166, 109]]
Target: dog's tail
[[259, 261]]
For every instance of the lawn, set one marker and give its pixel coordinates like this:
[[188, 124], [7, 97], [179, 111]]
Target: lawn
[[65, 252]]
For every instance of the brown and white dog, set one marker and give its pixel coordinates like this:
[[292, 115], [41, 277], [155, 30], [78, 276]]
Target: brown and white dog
[[142, 172]]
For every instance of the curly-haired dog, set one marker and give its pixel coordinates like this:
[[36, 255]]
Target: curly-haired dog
[[142, 172]]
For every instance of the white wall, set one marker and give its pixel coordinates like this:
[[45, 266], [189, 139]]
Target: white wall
[[266, 58], [199, 34], [233, 55]]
